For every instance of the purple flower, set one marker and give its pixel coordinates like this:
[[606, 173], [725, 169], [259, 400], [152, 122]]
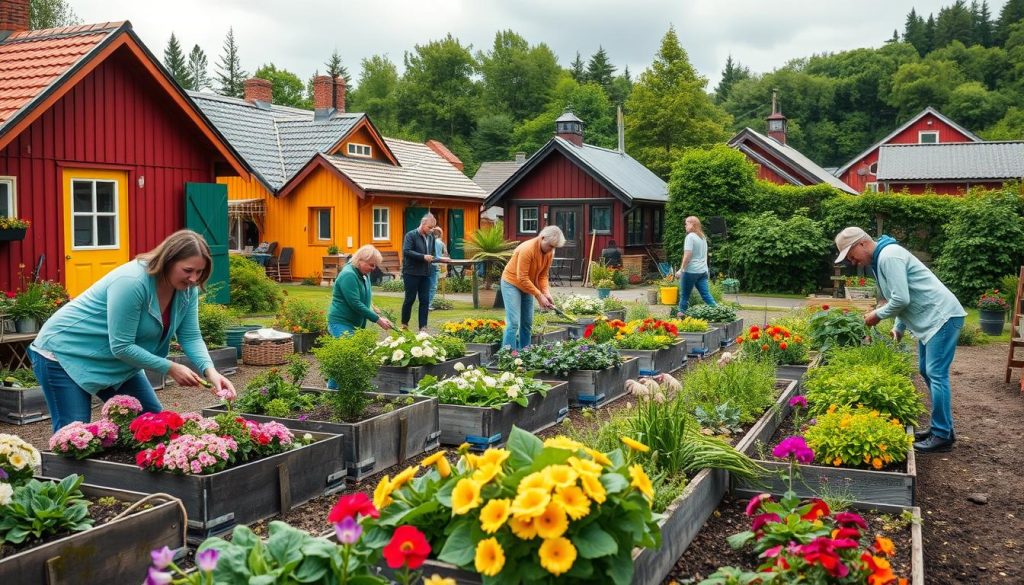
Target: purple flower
[[348, 530], [157, 577], [3, 474], [162, 557], [303, 416], [798, 401], [795, 447], [207, 559]]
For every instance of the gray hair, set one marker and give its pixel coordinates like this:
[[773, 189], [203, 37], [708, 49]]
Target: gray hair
[[553, 235], [367, 253], [429, 217]]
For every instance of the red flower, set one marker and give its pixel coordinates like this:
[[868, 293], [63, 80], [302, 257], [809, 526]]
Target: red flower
[[824, 307], [350, 505], [589, 330], [818, 509], [783, 346], [408, 547]]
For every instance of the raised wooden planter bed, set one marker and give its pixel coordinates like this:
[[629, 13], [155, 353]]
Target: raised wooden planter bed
[[393, 379], [484, 427], [659, 361], [798, 371], [485, 350], [702, 344], [730, 331], [21, 406], [560, 334], [619, 314], [225, 360], [595, 388], [765, 427], [215, 503], [115, 552], [370, 445], [305, 342]]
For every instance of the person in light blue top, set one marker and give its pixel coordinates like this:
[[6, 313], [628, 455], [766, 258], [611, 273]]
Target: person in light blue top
[[693, 270], [920, 303], [440, 251], [99, 343]]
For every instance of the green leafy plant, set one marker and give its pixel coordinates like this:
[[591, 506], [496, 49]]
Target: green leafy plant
[[214, 320], [19, 378], [559, 358], [31, 303], [858, 437], [600, 271], [773, 254], [311, 280], [269, 390], [393, 285], [332, 250], [43, 508], [971, 334], [871, 386], [301, 316], [604, 283], [716, 314], [637, 311], [351, 362], [477, 387], [690, 325], [837, 328], [723, 419], [13, 223], [452, 346], [613, 304], [251, 290], [746, 384], [488, 245], [896, 358]]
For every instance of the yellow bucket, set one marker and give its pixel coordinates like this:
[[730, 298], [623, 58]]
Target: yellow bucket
[[670, 295]]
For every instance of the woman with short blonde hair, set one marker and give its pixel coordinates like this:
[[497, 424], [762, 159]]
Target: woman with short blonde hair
[[524, 279], [352, 297]]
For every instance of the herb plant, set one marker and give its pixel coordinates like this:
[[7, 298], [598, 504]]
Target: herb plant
[[478, 387], [837, 328], [873, 387], [44, 508], [746, 384], [559, 358]]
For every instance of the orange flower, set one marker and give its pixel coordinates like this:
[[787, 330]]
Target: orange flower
[[783, 345], [884, 546], [764, 347], [739, 339], [755, 336]]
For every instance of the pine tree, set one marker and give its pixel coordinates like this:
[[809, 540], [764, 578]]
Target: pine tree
[[335, 68], [600, 70], [1011, 13], [914, 33], [929, 35], [578, 70], [174, 61], [230, 76], [984, 28], [197, 70], [732, 73]]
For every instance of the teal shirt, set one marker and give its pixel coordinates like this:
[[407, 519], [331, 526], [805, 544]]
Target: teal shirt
[[351, 299], [916, 297], [114, 329]]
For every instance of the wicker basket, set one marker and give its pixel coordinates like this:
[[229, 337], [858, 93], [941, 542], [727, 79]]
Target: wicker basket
[[267, 352]]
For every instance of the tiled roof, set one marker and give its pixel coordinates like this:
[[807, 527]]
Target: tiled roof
[[33, 61], [422, 171], [621, 170], [492, 174], [951, 161], [794, 156]]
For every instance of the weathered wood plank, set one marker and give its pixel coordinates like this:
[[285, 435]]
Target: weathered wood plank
[[596, 388], [702, 343], [659, 361], [798, 371], [486, 350], [730, 331], [765, 427], [484, 427], [393, 379], [560, 334]]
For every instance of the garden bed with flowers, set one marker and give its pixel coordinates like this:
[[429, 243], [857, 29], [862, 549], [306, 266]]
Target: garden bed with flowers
[[482, 336], [702, 340], [21, 398], [720, 316], [226, 470], [653, 342], [406, 358], [480, 408]]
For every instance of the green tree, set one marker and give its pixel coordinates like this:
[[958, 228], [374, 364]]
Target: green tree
[[914, 33], [335, 68], [437, 96], [974, 106], [287, 88], [1010, 127], [587, 101], [733, 72], [669, 110], [230, 75], [1011, 14], [918, 85], [600, 69], [375, 94], [492, 139], [578, 69], [622, 86], [984, 27], [174, 61], [199, 78], [929, 34], [517, 79], [955, 23], [51, 14]]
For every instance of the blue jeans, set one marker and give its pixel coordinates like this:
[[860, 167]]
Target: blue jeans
[[68, 402], [416, 287], [933, 360], [686, 284], [337, 330], [434, 275], [518, 317]]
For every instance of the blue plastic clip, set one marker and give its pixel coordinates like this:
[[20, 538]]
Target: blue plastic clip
[[562, 413], [478, 443]]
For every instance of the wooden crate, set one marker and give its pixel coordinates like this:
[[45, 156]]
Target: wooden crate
[[595, 388], [484, 427], [225, 360], [393, 379], [21, 406], [702, 344], [116, 552], [215, 503], [374, 444], [659, 361]]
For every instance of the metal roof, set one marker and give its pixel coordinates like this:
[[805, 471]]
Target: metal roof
[[568, 117], [492, 174], [794, 156], [951, 161]]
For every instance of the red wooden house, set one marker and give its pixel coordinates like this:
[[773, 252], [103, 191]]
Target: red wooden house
[[948, 169], [97, 144], [594, 194]]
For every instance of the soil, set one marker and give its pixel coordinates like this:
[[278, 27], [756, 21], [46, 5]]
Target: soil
[[101, 513], [709, 550]]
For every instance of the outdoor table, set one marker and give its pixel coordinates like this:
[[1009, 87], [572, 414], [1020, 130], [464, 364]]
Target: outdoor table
[[459, 267]]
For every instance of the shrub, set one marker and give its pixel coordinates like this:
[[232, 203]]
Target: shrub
[[453, 347], [744, 384], [454, 284], [858, 438], [312, 279], [772, 254], [393, 285], [872, 387], [716, 314], [302, 316], [251, 290], [351, 363], [837, 328], [971, 334], [637, 311], [213, 322], [894, 358], [599, 271]]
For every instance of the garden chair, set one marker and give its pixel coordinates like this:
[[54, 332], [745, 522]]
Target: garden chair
[[280, 268]]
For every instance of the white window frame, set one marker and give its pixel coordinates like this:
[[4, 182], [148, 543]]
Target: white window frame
[[12, 194], [383, 222], [536, 220], [116, 214], [360, 150], [871, 187], [235, 225], [317, 213], [923, 133]]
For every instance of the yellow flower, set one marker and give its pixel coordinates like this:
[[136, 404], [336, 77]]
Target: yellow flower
[[573, 501], [561, 475], [490, 558], [837, 461], [403, 478], [593, 488], [485, 473], [472, 461], [494, 514], [17, 460], [465, 496], [553, 522], [634, 445], [444, 469], [436, 579], [382, 495], [536, 480], [524, 528], [598, 456], [641, 481], [561, 442], [832, 408], [432, 459], [557, 555], [530, 503], [463, 449], [584, 466], [494, 457]]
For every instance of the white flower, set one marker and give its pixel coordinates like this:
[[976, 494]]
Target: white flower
[[428, 352], [506, 377], [518, 361], [6, 491], [398, 355], [422, 335], [459, 366], [462, 384], [512, 391], [491, 382], [395, 342], [307, 437], [416, 351]]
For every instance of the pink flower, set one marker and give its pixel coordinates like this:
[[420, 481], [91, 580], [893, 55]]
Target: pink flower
[[795, 447], [755, 503], [796, 401]]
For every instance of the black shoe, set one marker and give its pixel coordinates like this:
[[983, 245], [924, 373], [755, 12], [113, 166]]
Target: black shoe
[[922, 435], [934, 444]]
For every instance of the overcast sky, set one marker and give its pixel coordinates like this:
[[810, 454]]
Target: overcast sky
[[299, 35]]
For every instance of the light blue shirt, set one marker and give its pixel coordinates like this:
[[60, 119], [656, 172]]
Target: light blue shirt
[[698, 248], [916, 297], [114, 329]]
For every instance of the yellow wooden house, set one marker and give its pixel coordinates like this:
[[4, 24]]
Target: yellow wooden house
[[327, 177]]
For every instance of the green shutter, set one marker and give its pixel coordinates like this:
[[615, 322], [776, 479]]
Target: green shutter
[[456, 233], [206, 212], [413, 215]]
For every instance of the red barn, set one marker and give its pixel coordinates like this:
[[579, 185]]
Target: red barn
[[594, 194], [97, 144], [949, 169], [928, 127]]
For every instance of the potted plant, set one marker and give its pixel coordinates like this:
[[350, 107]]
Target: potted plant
[[992, 309], [305, 320], [604, 288], [332, 250], [488, 245], [13, 228], [21, 397], [29, 308]]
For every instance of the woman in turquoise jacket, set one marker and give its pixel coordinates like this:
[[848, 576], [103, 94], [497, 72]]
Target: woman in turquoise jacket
[[100, 342], [351, 298]]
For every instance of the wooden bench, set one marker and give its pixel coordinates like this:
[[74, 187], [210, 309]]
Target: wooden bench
[[391, 264]]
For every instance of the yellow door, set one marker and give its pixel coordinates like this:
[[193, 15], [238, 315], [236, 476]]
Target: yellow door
[[95, 225]]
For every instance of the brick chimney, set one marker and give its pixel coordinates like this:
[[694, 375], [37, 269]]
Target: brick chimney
[[339, 93], [328, 94], [259, 91], [569, 127], [13, 17], [446, 154]]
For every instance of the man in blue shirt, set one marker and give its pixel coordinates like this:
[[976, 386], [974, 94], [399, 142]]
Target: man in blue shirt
[[918, 301]]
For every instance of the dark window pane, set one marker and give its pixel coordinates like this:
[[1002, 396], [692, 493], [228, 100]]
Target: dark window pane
[[5, 200], [106, 231], [81, 196], [105, 196], [601, 218], [325, 224], [83, 231]]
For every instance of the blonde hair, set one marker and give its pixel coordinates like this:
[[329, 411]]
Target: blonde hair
[[366, 254], [181, 245], [438, 232], [698, 228], [553, 235]]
